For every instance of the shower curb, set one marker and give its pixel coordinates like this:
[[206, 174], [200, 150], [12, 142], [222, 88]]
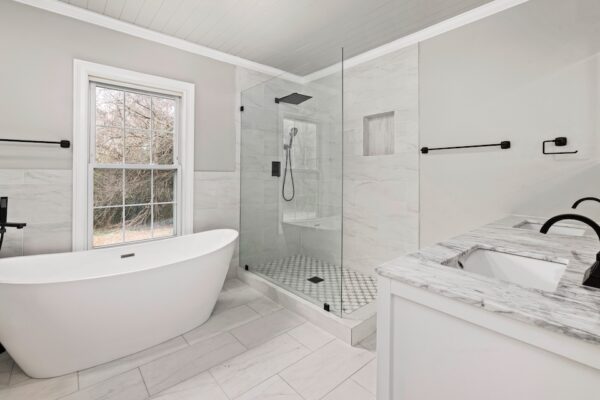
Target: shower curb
[[351, 331]]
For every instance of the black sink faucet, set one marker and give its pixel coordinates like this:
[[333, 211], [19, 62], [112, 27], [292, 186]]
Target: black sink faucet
[[592, 276], [575, 217], [578, 202]]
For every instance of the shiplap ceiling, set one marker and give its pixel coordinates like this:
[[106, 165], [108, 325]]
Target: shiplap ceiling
[[297, 36]]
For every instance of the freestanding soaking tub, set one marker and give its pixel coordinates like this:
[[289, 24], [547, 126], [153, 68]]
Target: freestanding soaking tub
[[61, 313]]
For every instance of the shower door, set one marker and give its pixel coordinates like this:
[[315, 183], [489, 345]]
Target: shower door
[[291, 187]]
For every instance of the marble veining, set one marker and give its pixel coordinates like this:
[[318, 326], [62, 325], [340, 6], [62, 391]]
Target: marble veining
[[572, 310]]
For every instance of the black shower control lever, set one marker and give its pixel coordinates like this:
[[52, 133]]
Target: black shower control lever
[[558, 142], [275, 168]]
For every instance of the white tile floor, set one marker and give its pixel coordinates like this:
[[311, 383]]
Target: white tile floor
[[250, 349]]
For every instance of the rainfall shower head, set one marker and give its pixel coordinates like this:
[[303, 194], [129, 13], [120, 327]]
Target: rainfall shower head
[[294, 98]]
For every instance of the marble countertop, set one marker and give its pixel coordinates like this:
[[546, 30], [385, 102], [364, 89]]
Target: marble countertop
[[572, 310]]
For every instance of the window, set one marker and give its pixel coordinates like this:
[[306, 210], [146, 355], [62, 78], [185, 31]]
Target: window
[[132, 157], [133, 163]]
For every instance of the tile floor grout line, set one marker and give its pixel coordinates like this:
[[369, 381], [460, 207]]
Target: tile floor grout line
[[144, 381], [12, 368], [357, 382], [276, 336], [290, 385], [257, 385], [276, 373], [218, 384], [312, 352], [207, 369]]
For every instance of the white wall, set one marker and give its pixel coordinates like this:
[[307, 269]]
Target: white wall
[[36, 82], [526, 75]]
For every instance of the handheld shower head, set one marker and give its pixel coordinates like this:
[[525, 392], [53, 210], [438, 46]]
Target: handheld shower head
[[293, 132]]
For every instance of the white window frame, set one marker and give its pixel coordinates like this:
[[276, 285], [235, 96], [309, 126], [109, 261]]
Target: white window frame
[[84, 73]]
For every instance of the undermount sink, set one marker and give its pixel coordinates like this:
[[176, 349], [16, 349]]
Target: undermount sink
[[524, 271], [557, 229]]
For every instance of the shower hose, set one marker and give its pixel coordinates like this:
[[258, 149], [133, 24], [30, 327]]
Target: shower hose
[[288, 160]]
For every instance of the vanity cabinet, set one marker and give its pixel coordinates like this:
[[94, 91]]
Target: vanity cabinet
[[431, 347]]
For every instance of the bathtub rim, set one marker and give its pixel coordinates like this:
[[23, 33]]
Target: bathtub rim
[[231, 240]]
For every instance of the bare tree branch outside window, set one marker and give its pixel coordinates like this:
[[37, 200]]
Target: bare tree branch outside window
[[133, 203]]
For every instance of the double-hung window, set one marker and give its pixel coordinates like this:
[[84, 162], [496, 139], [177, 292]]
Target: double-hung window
[[133, 165], [139, 175]]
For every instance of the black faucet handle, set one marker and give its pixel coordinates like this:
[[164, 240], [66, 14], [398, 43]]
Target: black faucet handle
[[3, 210]]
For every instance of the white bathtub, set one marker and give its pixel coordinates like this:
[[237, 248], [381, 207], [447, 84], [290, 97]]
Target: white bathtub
[[61, 313]]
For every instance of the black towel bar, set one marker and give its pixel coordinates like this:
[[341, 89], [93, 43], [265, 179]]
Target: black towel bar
[[503, 145], [65, 144]]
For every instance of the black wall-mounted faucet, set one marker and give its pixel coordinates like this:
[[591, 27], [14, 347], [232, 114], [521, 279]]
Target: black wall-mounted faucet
[[3, 218], [578, 202], [592, 276]]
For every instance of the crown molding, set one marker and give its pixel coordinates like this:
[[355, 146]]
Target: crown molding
[[68, 10], [91, 17], [458, 21]]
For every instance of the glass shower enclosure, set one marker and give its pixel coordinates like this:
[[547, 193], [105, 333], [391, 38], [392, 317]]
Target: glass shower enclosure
[[291, 187]]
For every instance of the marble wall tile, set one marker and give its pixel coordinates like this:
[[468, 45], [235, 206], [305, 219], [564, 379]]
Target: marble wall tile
[[381, 203], [41, 199], [47, 177], [13, 243], [47, 238], [12, 176]]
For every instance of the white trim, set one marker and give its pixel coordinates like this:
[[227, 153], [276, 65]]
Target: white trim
[[104, 21], [450, 24], [83, 72]]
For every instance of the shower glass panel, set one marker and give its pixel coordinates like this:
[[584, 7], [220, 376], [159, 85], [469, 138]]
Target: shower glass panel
[[291, 187]]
